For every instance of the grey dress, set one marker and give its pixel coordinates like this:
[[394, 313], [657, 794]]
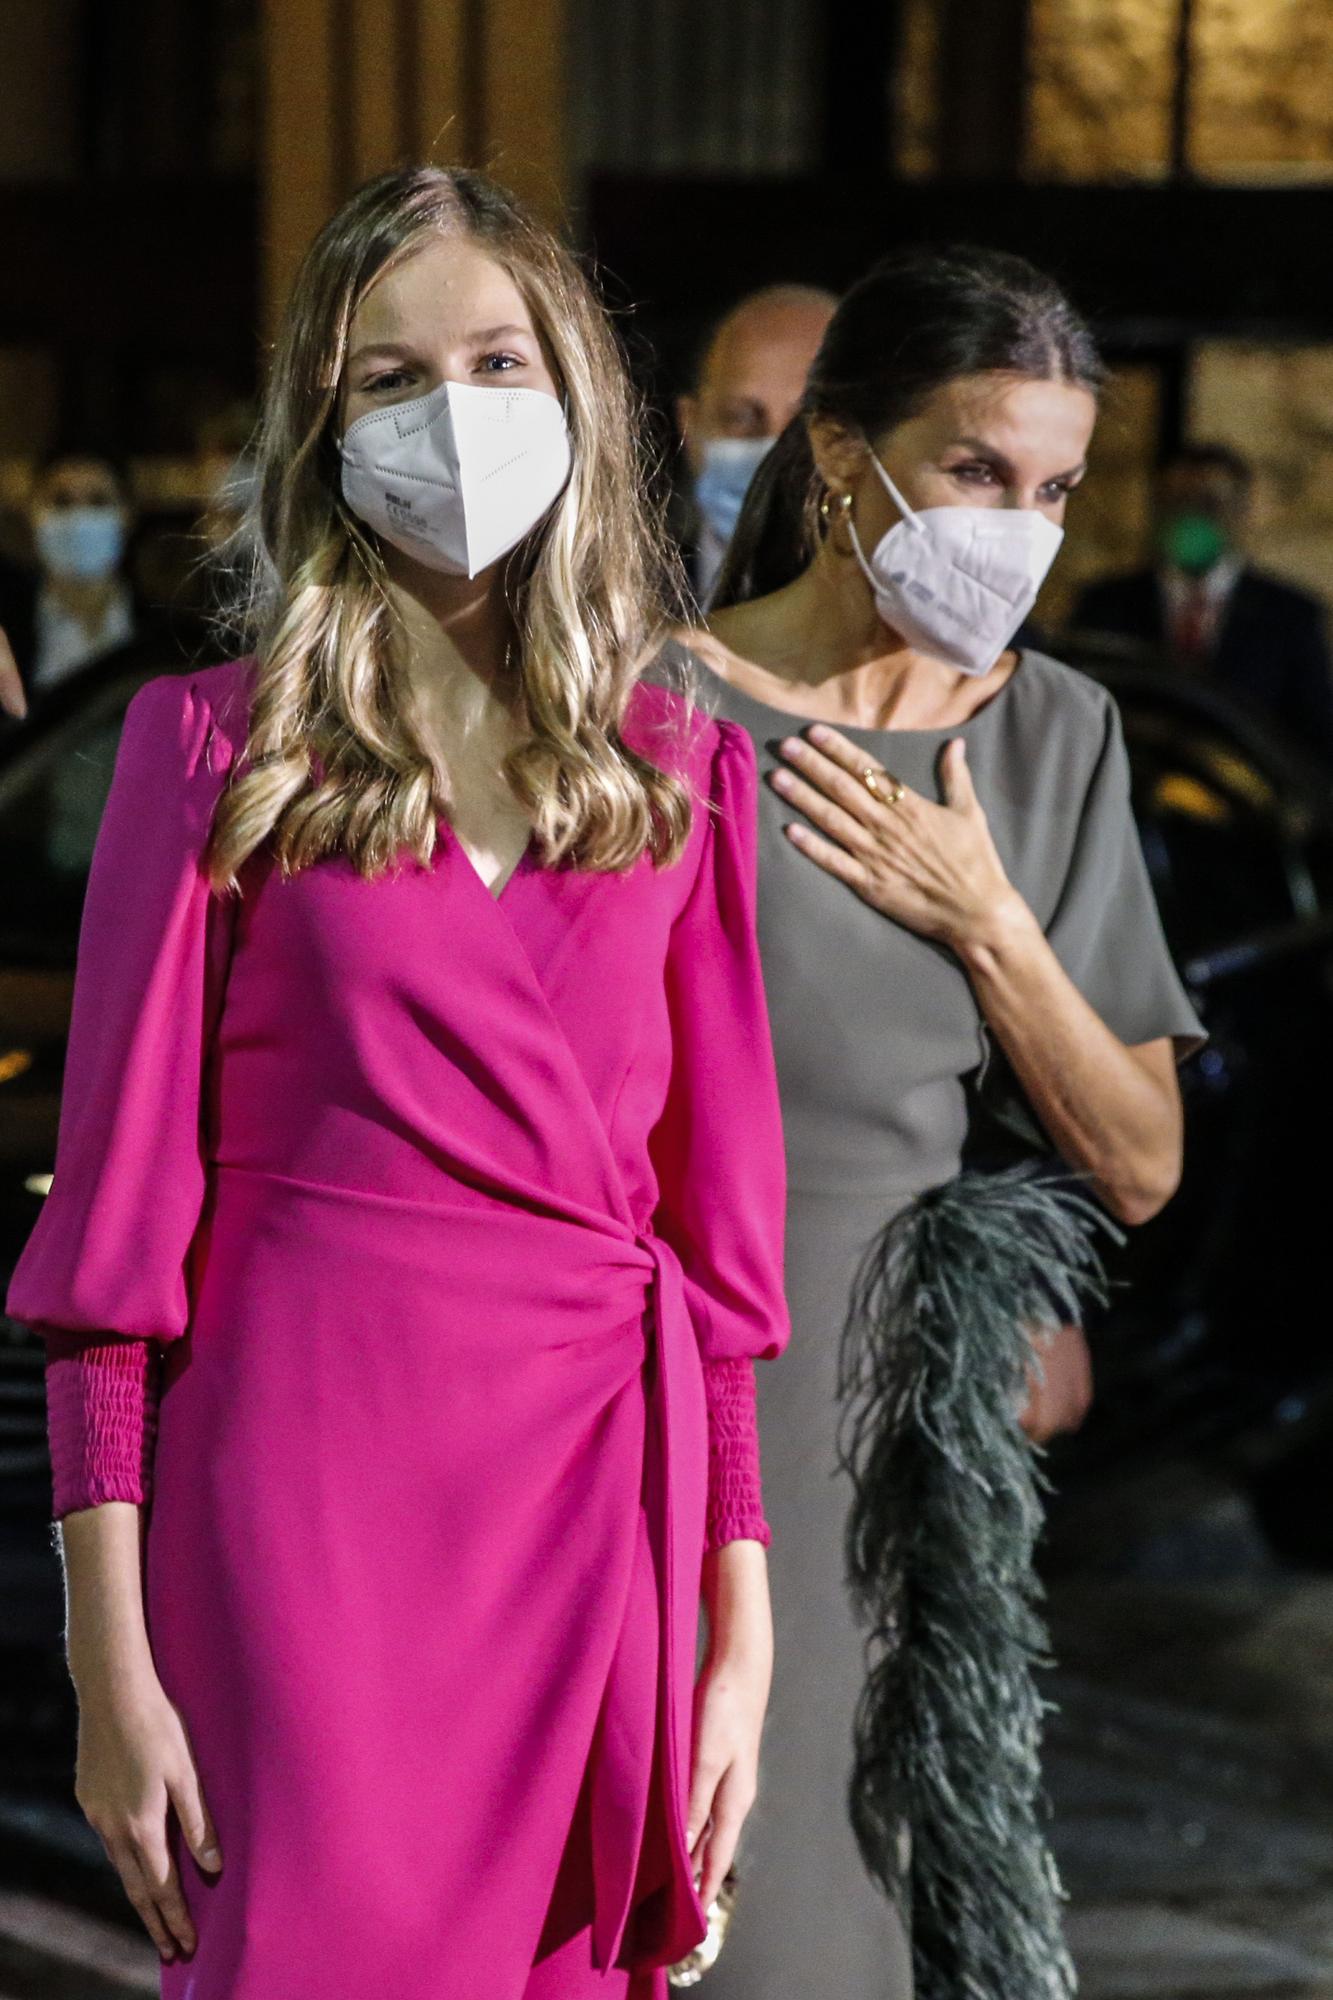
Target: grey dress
[[876, 1032]]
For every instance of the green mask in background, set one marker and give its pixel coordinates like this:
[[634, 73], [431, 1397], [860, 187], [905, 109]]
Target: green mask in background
[[1193, 542]]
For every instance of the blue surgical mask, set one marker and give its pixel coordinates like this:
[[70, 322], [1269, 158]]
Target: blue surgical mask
[[81, 544], [729, 466]]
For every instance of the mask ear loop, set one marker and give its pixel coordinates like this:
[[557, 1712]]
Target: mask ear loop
[[912, 518]]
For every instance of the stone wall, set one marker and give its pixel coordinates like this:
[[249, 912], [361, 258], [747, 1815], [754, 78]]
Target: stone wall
[[916, 90], [1106, 524], [1100, 84], [1275, 404], [1263, 89], [1101, 81]]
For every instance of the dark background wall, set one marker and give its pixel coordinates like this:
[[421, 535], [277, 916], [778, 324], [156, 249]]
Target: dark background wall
[[162, 166]]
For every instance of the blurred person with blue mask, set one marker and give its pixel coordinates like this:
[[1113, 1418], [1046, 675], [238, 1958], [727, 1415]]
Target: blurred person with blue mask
[[748, 385], [80, 518]]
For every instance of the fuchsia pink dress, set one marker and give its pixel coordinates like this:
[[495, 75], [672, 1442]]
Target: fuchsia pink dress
[[455, 1221]]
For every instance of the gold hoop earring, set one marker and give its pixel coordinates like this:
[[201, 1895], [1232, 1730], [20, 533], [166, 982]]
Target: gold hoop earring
[[844, 505]]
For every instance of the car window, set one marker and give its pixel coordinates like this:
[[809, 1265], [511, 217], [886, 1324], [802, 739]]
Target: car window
[[51, 805]]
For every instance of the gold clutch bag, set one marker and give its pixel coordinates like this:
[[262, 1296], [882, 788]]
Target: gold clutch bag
[[692, 1969]]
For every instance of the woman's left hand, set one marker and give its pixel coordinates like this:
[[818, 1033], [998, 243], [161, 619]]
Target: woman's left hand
[[932, 867], [729, 1704], [730, 1700]]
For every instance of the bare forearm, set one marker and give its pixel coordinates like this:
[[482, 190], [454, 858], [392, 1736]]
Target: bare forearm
[[1110, 1111], [735, 1595], [106, 1631]]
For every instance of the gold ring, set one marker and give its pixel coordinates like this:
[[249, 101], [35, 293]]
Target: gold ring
[[875, 771]]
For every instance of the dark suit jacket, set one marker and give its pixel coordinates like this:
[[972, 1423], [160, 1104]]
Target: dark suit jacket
[[18, 615], [1271, 652]]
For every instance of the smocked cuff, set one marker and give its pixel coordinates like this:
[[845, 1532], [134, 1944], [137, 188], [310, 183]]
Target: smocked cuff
[[735, 1496], [101, 1417]]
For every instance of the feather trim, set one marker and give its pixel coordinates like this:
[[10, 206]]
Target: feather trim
[[944, 1520]]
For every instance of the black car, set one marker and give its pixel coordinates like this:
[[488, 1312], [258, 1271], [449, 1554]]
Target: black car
[[55, 771], [1216, 1345]]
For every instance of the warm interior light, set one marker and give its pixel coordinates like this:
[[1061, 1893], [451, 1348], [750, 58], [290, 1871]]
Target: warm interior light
[[13, 1062], [1177, 792], [39, 1183], [1102, 77]]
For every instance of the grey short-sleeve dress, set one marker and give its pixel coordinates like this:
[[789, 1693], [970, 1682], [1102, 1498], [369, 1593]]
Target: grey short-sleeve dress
[[877, 1036]]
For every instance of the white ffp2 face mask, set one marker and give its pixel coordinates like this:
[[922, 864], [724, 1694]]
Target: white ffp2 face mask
[[958, 581], [457, 478]]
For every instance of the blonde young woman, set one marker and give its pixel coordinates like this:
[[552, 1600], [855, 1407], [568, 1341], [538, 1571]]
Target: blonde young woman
[[405, 1260]]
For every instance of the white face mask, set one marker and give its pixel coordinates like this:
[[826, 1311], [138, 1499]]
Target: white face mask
[[457, 478], [958, 581]]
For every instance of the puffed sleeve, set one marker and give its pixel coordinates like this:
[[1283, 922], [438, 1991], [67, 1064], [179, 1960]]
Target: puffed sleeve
[[1105, 930], [109, 1254], [718, 1149]]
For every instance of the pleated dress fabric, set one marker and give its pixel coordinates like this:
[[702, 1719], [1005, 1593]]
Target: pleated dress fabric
[[879, 1040], [440, 1201]]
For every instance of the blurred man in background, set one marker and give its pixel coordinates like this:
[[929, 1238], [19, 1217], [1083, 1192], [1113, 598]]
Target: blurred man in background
[[1211, 611], [76, 601], [748, 384], [80, 516]]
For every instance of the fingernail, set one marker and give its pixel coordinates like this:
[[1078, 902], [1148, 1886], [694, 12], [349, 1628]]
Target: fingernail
[[782, 780], [818, 733], [790, 746], [210, 1857]]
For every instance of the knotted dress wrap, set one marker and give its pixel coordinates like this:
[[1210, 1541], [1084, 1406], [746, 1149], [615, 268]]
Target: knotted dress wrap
[[439, 1201]]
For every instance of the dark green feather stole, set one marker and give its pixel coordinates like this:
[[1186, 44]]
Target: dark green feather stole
[[944, 1520]]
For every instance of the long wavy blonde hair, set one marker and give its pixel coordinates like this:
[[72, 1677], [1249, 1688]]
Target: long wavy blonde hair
[[587, 589]]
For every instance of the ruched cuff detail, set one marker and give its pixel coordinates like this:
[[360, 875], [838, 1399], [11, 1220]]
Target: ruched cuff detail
[[735, 1494], [101, 1417]]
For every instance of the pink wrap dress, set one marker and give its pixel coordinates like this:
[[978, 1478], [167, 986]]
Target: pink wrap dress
[[443, 1203]]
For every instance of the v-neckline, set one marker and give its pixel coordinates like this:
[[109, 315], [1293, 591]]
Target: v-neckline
[[488, 888]]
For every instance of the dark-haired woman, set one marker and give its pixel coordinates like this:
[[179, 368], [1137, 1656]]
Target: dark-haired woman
[[949, 879]]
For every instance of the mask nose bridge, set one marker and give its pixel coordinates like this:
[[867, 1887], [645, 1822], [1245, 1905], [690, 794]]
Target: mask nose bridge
[[370, 420], [1026, 532], [427, 410]]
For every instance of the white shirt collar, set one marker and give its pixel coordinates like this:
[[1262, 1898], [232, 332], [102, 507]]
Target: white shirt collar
[[1218, 582], [64, 643]]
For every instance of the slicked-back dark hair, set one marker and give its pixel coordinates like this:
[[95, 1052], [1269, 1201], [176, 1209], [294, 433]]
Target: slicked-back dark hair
[[916, 321]]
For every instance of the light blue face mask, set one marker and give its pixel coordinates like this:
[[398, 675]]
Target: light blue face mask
[[729, 466], [81, 544]]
